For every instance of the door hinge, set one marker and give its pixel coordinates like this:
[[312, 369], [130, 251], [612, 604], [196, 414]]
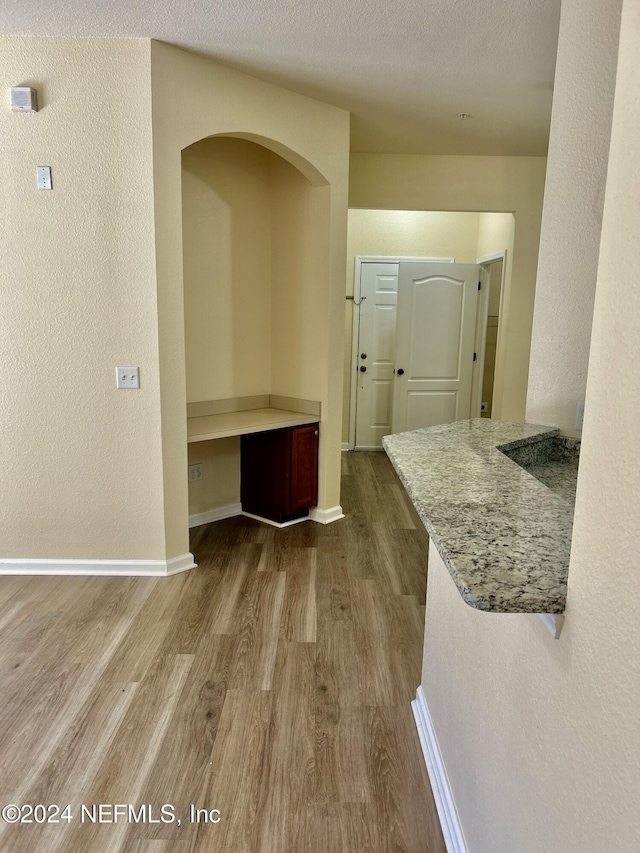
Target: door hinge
[[479, 285], [475, 356]]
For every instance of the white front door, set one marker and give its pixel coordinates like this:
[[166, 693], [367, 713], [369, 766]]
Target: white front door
[[376, 353], [435, 334]]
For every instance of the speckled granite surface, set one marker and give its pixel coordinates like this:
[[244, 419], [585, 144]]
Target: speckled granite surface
[[560, 477], [536, 453], [553, 461], [504, 536], [556, 448]]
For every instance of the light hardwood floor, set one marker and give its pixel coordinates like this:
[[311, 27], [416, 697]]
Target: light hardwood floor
[[272, 683]]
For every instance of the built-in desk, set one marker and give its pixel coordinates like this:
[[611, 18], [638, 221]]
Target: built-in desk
[[224, 425], [244, 415], [278, 451]]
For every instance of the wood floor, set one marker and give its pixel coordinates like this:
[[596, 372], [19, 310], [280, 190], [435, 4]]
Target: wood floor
[[272, 684]]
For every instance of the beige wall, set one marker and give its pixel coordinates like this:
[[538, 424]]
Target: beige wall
[[81, 461], [256, 262], [411, 233], [495, 233], [570, 238], [491, 184], [194, 98], [95, 282], [220, 484], [417, 233], [300, 239], [226, 227], [541, 738]]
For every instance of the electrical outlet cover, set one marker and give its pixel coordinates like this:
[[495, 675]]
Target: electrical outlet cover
[[195, 472]]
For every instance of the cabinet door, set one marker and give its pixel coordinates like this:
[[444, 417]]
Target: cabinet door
[[304, 468], [264, 481]]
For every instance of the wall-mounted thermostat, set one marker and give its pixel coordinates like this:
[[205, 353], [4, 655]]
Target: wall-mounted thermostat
[[24, 100]]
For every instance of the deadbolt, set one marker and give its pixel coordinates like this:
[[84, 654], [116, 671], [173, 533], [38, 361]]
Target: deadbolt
[[363, 355]]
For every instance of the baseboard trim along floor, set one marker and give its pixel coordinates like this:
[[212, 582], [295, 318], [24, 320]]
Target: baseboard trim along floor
[[107, 568], [445, 805], [275, 523], [217, 514], [320, 516], [326, 516]]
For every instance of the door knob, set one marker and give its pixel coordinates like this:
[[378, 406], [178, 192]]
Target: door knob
[[400, 371], [363, 369], [363, 355]]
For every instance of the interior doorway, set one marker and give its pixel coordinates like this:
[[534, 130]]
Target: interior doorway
[[414, 345], [435, 344], [455, 350], [494, 276], [374, 338]]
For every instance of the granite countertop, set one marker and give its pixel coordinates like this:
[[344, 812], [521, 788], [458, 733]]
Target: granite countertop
[[504, 536], [560, 477]]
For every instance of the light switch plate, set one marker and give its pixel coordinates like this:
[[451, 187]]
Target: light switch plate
[[44, 177], [128, 377]]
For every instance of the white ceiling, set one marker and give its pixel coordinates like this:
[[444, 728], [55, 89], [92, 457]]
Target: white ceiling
[[404, 68]]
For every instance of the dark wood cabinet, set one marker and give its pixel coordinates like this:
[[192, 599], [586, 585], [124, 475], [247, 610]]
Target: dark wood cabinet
[[279, 472]]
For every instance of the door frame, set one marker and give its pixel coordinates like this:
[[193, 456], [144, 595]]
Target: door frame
[[355, 328], [481, 326]]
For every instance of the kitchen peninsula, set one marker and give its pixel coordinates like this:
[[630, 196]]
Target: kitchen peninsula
[[504, 536]]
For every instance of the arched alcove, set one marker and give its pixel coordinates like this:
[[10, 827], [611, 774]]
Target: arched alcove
[[194, 98], [255, 237], [311, 173]]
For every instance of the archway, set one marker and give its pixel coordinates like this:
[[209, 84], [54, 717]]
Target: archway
[[255, 227]]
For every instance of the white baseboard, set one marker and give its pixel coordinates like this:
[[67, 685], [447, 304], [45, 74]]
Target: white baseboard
[[321, 516], [101, 568], [449, 820], [275, 523], [181, 564], [326, 516], [217, 514], [346, 445]]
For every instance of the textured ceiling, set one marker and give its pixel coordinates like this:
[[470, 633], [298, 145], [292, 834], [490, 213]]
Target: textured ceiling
[[404, 69]]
